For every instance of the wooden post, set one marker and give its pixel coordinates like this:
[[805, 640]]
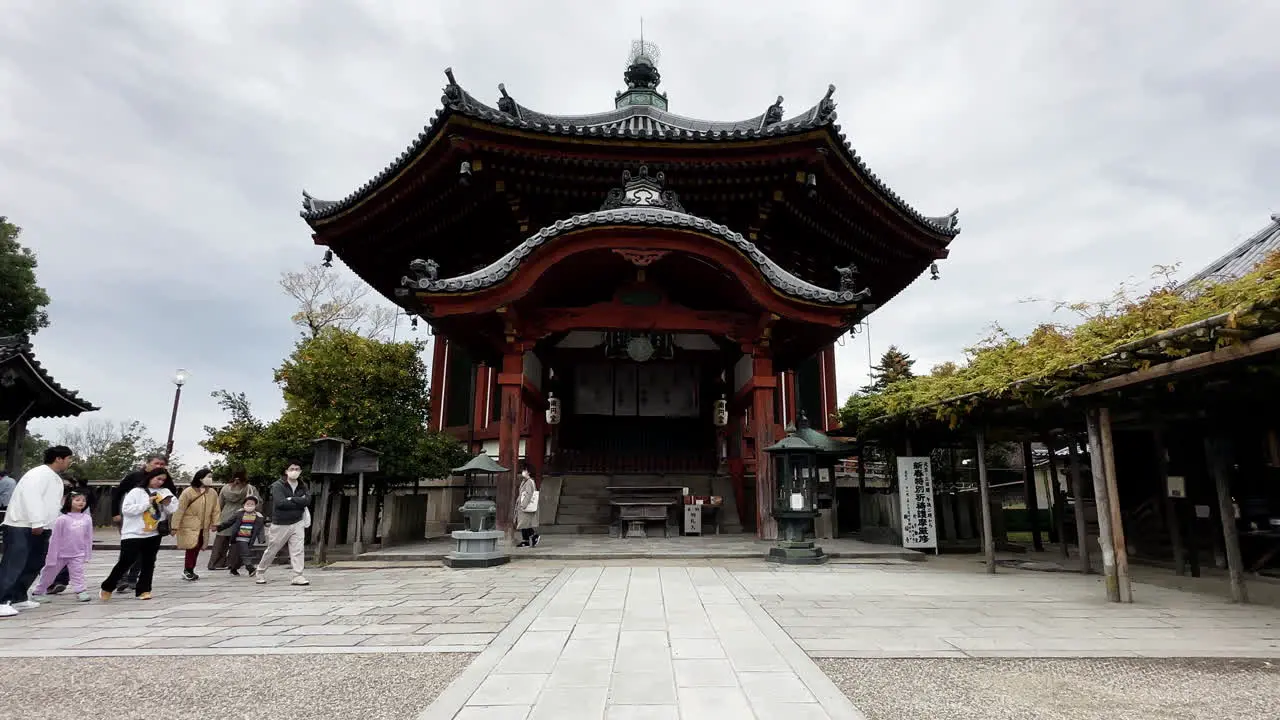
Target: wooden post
[[862, 469], [1218, 453], [357, 545], [1077, 489], [535, 449], [1102, 501], [511, 382], [320, 534], [984, 492], [1170, 510], [762, 420], [13, 451], [1117, 518], [1059, 511], [1032, 493]]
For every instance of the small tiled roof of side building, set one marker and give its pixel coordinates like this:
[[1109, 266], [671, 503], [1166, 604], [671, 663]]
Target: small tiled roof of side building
[[1243, 258], [60, 401]]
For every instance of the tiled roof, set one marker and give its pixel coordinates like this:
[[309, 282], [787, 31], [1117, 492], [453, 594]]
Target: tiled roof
[[1243, 258], [640, 202], [636, 122], [17, 348]]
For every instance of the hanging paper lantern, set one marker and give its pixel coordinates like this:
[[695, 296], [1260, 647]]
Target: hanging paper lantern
[[553, 410]]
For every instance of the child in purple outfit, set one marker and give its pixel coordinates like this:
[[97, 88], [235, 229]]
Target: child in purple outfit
[[70, 546]]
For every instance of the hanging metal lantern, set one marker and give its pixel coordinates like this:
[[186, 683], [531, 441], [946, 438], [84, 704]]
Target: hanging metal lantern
[[553, 409], [721, 413]]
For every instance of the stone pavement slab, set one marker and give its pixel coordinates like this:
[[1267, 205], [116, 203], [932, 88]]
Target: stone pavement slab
[[419, 610], [670, 549], [613, 643], [954, 610]]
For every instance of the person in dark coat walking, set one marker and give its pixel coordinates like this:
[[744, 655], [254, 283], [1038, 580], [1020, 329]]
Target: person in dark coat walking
[[137, 478], [290, 518]]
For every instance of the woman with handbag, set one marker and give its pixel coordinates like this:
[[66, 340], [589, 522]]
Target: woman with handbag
[[197, 512], [527, 508], [143, 511]]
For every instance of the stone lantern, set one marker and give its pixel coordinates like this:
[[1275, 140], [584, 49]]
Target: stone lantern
[[478, 543], [795, 469]]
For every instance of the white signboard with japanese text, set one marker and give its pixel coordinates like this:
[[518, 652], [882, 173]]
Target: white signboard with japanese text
[[915, 491]]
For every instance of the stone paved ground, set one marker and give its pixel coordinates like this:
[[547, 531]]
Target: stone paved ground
[[953, 609], [671, 549], [1059, 689], [649, 638], [382, 610], [655, 643]]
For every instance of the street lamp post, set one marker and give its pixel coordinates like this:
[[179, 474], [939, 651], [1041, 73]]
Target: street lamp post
[[179, 379]]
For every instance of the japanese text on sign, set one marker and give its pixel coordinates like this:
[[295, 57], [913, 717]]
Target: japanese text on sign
[[915, 492]]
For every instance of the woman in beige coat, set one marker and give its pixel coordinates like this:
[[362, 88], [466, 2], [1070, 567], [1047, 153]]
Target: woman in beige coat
[[197, 512], [527, 508]]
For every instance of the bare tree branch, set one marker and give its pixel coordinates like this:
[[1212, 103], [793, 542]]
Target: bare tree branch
[[328, 299]]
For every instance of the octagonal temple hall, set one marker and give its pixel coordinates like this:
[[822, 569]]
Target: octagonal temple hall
[[632, 300]]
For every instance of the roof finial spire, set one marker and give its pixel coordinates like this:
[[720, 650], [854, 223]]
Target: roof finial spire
[[642, 76]]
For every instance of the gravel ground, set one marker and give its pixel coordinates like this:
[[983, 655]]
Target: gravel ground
[[1059, 689], [280, 687]]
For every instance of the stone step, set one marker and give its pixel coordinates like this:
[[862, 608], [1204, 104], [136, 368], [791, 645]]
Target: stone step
[[575, 529]]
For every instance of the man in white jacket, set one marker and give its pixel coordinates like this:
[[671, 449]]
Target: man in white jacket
[[34, 507]]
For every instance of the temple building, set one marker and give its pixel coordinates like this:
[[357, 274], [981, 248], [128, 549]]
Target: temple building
[[631, 296]]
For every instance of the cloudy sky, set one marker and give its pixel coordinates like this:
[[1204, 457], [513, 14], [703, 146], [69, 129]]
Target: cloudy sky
[[155, 151]]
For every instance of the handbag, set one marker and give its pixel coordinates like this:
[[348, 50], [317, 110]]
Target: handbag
[[532, 505], [306, 518]]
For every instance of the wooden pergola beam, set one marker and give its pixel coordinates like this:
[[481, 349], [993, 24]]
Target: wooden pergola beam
[[1257, 346]]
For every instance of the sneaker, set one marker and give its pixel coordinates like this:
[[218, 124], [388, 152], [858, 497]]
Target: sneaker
[[236, 572], [299, 580], [6, 610], [523, 543], [261, 580], [144, 596], [103, 595], [253, 571], [84, 597], [536, 538], [190, 575], [26, 605], [56, 589]]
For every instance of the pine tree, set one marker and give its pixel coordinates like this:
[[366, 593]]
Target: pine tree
[[894, 365], [22, 301]]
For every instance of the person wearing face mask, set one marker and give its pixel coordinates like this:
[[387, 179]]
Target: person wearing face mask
[[290, 517], [143, 510], [527, 507], [137, 478]]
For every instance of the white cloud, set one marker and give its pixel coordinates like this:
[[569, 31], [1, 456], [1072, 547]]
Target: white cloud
[[155, 151]]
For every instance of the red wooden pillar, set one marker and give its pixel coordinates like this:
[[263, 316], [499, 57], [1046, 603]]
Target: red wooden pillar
[[511, 385], [439, 358], [764, 386], [830, 402], [480, 407]]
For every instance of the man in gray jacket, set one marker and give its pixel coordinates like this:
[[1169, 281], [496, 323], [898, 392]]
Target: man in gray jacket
[[290, 517]]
